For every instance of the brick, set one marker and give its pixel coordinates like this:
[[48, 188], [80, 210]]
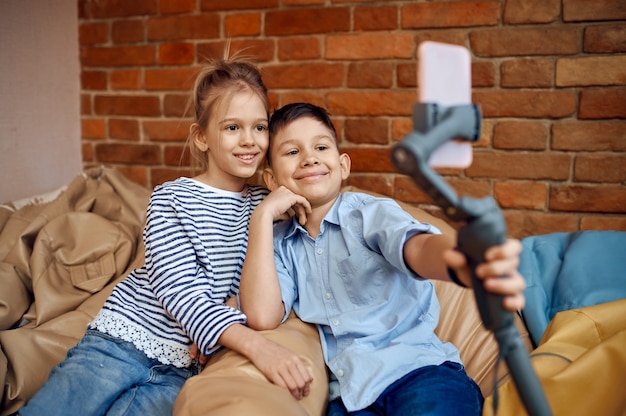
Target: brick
[[294, 49], [165, 130], [176, 155], [588, 71], [93, 80], [128, 31], [602, 103], [93, 33], [454, 37], [371, 103], [605, 39], [302, 2], [375, 18], [375, 183], [524, 41], [128, 153], [406, 75], [600, 168], [244, 24], [177, 6], [483, 74], [85, 104], [370, 46], [589, 136], [161, 175], [295, 96], [178, 53], [526, 104], [303, 76], [406, 190], [527, 73], [125, 79], [469, 188], [367, 130], [370, 159], [220, 5], [126, 105], [137, 174], [205, 26], [370, 75], [520, 135], [93, 128], [86, 150], [177, 105], [552, 166], [118, 56], [608, 223], [521, 224], [124, 129], [170, 79], [102, 9], [521, 194], [307, 21], [259, 50], [584, 10], [609, 198], [450, 14], [531, 11]]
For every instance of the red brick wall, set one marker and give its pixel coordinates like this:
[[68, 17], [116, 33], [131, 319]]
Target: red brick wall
[[549, 75]]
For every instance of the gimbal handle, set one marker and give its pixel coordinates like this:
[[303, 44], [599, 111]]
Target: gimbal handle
[[484, 227]]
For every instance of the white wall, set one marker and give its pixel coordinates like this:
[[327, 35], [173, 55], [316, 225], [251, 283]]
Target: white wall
[[39, 96]]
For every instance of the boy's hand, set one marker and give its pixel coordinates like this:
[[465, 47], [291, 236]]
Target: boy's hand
[[499, 272], [281, 203]]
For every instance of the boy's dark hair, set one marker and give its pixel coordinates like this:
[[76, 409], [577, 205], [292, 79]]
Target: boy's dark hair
[[291, 112]]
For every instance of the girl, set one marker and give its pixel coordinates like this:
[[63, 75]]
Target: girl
[[135, 355]]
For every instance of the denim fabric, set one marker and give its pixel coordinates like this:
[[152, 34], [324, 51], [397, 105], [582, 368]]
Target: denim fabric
[[434, 390], [104, 375]]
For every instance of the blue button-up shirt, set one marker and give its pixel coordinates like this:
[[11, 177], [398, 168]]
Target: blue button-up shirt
[[375, 316]]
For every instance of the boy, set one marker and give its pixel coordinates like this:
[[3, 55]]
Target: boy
[[356, 266]]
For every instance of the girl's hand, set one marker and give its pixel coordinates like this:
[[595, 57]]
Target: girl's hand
[[195, 351], [499, 272], [283, 367]]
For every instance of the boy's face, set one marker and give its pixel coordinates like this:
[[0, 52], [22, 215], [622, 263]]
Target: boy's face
[[306, 160]]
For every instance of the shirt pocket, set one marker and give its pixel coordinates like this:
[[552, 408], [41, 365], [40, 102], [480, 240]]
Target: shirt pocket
[[365, 279]]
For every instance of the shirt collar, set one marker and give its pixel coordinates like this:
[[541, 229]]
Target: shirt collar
[[332, 217]]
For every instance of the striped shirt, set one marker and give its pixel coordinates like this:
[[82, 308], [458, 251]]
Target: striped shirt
[[195, 240]]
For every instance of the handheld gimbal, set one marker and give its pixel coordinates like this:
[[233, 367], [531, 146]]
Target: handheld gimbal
[[484, 227]]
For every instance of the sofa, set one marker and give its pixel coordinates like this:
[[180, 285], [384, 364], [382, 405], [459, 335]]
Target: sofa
[[61, 253]]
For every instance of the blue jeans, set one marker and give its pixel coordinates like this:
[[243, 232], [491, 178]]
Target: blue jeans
[[105, 375], [433, 390]]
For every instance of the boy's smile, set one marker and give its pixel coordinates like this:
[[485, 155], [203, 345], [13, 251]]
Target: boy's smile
[[306, 160]]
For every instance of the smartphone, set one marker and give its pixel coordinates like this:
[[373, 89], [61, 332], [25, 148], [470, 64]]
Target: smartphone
[[444, 77]]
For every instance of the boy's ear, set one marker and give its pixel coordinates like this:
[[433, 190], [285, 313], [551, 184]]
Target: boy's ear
[[345, 162], [269, 179], [197, 135]]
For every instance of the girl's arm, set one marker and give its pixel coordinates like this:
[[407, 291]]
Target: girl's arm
[[259, 290]]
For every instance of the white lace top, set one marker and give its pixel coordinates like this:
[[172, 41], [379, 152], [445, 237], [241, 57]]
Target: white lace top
[[195, 238]]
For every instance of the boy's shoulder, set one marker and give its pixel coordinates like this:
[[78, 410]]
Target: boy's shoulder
[[356, 199]]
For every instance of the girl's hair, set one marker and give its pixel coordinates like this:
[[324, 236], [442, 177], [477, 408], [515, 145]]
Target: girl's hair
[[215, 85], [291, 112]]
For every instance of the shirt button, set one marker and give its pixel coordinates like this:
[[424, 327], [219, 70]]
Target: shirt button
[[335, 322], [339, 373], [319, 251], [328, 295]]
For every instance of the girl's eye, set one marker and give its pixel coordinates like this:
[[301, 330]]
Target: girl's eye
[[261, 127], [231, 127]]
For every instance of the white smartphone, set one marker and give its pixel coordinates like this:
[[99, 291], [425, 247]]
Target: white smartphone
[[444, 77]]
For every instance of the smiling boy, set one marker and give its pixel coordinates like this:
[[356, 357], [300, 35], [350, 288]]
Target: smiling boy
[[357, 267]]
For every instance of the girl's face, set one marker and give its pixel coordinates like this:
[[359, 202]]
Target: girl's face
[[235, 141]]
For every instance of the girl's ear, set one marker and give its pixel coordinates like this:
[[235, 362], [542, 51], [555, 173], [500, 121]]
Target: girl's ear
[[269, 179], [199, 139]]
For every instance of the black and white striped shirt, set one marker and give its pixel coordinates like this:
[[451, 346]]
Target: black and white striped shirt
[[195, 239]]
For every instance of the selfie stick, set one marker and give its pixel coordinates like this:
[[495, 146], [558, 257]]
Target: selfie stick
[[484, 227]]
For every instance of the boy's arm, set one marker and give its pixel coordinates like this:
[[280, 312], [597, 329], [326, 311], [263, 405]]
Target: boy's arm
[[259, 290], [429, 255]]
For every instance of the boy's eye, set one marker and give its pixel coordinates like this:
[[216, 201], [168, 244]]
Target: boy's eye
[[322, 147], [292, 152]]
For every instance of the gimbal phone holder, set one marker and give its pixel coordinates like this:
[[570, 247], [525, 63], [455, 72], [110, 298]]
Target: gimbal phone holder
[[484, 227]]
